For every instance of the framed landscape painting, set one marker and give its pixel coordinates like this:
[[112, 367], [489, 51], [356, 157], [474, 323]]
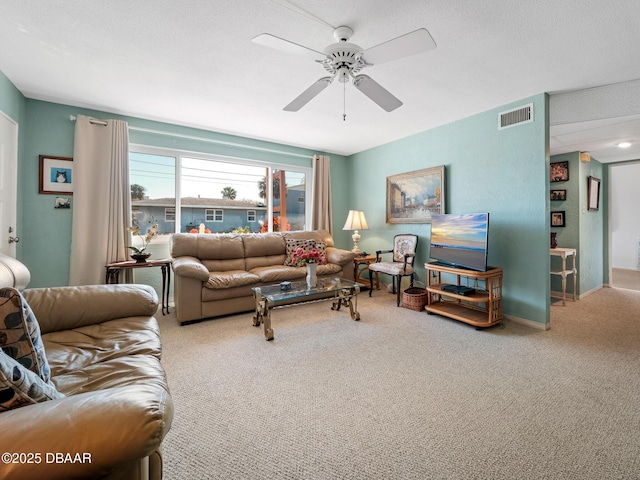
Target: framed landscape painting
[[56, 175], [414, 196]]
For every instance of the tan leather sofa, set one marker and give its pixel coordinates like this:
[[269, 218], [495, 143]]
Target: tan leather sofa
[[102, 343], [214, 273]]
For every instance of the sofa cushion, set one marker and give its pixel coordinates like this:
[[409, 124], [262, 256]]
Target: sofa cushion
[[78, 348], [297, 247], [329, 269], [263, 250], [20, 333], [279, 273], [230, 279], [20, 386]]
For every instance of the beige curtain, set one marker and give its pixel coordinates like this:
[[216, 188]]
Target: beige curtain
[[101, 198], [321, 215]]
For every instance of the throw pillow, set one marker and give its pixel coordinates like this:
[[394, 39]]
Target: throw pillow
[[300, 249], [20, 333], [293, 244], [20, 386]]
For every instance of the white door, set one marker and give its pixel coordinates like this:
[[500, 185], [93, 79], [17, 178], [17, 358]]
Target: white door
[[8, 184]]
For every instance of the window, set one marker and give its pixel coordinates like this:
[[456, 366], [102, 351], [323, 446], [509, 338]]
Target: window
[[183, 190], [213, 215]]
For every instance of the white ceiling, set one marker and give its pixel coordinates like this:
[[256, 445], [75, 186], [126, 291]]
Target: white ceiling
[[192, 62]]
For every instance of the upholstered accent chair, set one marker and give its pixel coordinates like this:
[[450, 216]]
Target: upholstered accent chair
[[401, 264]]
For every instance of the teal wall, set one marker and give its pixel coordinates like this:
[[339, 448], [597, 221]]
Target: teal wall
[[46, 232], [503, 172], [583, 229], [591, 245], [12, 102]]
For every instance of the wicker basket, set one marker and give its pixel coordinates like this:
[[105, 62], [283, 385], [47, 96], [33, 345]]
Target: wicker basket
[[414, 298]]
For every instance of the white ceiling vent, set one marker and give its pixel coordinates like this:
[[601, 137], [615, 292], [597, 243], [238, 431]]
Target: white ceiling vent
[[515, 117]]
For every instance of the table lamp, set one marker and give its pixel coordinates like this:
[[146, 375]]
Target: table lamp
[[355, 221]]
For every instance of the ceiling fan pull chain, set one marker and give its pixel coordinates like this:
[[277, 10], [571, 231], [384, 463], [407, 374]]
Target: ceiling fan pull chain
[[344, 102]]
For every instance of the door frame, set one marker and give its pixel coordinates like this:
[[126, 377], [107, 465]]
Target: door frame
[[12, 156]]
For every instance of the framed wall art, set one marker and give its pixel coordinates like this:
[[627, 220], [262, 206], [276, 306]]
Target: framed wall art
[[593, 193], [56, 175], [414, 196], [559, 172], [558, 195], [557, 219]]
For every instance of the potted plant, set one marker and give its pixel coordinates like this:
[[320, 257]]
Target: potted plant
[[140, 254]]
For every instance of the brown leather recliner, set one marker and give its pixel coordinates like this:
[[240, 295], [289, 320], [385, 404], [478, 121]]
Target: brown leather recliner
[[103, 345]]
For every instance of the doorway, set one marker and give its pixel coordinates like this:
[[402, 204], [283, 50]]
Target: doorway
[[8, 184], [624, 226]]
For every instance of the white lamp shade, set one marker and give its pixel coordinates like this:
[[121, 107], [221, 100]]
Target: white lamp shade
[[356, 221]]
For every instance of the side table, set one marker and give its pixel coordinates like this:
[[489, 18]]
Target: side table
[[113, 274], [564, 272], [357, 271]]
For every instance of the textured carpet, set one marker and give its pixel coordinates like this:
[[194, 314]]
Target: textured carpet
[[624, 278], [402, 394]]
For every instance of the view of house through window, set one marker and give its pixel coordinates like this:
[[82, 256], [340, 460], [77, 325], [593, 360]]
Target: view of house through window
[[192, 194]]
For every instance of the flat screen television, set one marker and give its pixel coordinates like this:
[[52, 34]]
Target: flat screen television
[[460, 240]]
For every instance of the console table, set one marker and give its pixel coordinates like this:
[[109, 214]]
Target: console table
[[564, 272], [480, 309], [113, 274]]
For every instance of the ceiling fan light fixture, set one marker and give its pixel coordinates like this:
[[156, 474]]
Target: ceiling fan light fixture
[[343, 74], [624, 144]]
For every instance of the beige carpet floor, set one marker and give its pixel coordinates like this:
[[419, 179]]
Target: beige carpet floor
[[406, 395], [624, 278]]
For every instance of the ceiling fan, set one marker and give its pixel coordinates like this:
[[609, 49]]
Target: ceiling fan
[[345, 60]]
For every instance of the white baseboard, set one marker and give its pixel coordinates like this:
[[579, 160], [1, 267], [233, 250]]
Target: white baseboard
[[555, 294], [528, 323], [593, 290]]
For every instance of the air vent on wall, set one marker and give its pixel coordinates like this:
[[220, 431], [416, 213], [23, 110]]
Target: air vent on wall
[[515, 117]]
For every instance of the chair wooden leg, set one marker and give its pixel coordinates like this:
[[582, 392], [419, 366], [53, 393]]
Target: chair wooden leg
[[398, 280], [370, 281]]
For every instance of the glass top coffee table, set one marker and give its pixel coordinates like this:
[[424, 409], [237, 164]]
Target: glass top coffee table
[[341, 291]]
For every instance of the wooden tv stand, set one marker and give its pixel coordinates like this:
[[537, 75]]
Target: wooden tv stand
[[480, 309]]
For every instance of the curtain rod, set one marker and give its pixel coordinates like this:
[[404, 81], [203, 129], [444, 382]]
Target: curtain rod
[[92, 121], [201, 139]]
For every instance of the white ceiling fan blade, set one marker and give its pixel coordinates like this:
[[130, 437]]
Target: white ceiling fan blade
[[306, 96], [411, 43], [283, 45], [376, 92]]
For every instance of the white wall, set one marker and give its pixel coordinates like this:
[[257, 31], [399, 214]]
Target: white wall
[[624, 214]]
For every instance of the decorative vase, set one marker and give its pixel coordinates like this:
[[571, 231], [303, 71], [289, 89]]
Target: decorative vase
[[312, 278], [554, 242], [140, 257]]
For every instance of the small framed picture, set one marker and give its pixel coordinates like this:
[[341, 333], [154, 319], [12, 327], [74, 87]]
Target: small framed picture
[[593, 193], [559, 172], [62, 203], [56, 175], [558, 195], [557, 219]]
